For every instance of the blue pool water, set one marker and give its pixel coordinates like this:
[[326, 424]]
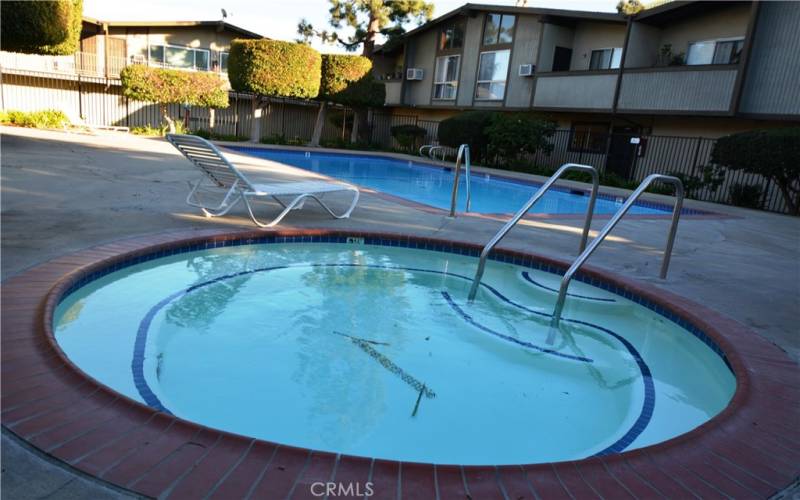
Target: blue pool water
[[432, 185]]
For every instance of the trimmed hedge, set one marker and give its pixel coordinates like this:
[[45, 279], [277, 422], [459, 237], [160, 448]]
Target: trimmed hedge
[[512, 135], [408, 135], [172, 86], [274, 68], [41, 27], [346, 79], [772, 153], [466, 128]]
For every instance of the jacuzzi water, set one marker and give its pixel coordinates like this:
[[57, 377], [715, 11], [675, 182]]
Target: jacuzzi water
[[433, 185], [374, 351]]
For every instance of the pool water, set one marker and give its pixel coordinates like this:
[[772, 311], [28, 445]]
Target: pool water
[[433, 185], [374, 351]]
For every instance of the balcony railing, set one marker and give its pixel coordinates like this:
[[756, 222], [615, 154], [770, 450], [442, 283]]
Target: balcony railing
[[687, 89], [592, 90], [393, 92]]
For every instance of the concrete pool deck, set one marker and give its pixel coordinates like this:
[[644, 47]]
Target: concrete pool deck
[[65, 192]]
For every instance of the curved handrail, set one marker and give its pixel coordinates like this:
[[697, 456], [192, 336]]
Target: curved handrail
[[421, 148], [463, 152], [522, 211], [432, 152], [676, 214]]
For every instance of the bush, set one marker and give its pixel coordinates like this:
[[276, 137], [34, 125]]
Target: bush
[[213, 136], [773, 153], [172, 86], [161, 130], [43, 27], [745, 195], [274, 68], [466, 128], [512, 135], [48, 118], [346, 79], [408, 135]]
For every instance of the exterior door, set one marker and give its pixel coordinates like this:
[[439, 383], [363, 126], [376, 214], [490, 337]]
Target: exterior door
[[622, 152], [117, 55], [561, 58]]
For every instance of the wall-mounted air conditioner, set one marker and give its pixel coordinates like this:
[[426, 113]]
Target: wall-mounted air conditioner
[[526, 69], [414, 74]]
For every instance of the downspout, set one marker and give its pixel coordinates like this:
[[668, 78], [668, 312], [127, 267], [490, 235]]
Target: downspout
[[617, 86]]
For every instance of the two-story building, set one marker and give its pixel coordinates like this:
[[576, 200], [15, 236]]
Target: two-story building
[[682, 68]]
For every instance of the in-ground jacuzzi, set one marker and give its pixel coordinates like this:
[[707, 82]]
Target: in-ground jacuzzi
[[366, 345]]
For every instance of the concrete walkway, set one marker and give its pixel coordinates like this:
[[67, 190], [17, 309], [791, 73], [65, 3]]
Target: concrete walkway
[[63, 192]]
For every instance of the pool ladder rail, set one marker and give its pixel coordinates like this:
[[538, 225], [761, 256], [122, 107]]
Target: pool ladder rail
[[432, 149], [528, 205], [585, 254], [463, 155]]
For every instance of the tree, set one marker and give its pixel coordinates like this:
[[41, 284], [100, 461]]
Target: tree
[[773, 154], [629, 7], [273, 68], [347, 80], [466, 128], [171, 86], [368, 18], [43, 27]]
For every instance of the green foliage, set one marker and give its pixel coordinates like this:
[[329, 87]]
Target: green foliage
[[512, 135], [711, 178], [161, 130], [408, 136], [772, 153], [213, 136], [745, 195], [171, 86], [367, 18], [41, 27], [466, 128], [281, 139], [48, 118], [347, 80], [274, 68], [629, 7]]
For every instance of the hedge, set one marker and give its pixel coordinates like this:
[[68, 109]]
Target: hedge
[[772, 153], [466, 128], [41, 27], [346, 79], [172, 86], [274, 68], [47, 118], [513, 135], [408, 135]]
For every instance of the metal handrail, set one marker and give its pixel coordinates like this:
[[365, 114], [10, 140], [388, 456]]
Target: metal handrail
[[432, 152], [463, 152], [676, 214], [423, 147], [522, 211]]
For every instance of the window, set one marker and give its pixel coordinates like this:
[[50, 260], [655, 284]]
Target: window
[[715, 51], [499, 29], [588, 137], [172, 56], [451, 37], [223, 62], [492, 72], [445, 79], [606, 58]]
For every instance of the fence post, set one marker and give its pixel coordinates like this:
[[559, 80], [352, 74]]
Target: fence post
[[80, 98], [236, 116]]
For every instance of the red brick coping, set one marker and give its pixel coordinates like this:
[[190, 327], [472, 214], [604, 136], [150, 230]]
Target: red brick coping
[[750, 450]]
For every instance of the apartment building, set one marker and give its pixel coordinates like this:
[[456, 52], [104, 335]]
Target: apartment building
[[682, 68], [108, 46]]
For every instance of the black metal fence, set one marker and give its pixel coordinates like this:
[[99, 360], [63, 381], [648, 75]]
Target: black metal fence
[[99, 101]]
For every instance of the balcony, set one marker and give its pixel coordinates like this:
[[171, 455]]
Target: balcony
[[688, 89], [394, 95], [589, 90]]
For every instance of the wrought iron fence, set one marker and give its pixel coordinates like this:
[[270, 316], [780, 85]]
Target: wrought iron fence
[[99, 101]]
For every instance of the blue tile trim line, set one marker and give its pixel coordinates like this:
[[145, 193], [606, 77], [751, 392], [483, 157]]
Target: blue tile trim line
[[527, 277], [253, 151]]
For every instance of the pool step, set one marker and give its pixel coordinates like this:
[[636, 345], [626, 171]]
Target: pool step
[[546, 287]]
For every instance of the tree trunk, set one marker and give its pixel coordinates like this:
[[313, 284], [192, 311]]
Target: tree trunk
[[373, 28], [255, 127], [791, 203], [315, 138], [212, 118], [354, 131], [167, 119]]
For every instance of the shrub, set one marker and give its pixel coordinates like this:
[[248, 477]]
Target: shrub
[[213, 136], [773, 153], [274, 68], [171, 86], [48, 118], [346, 79], [161, 130], [512, 135], [408, 135], [466, 128], [745, 195], [43, 27]]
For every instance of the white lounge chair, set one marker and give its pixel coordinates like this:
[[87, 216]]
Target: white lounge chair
[[220, 174]]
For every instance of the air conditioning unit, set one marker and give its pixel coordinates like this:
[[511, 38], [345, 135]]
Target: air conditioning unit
[[414, 74], [526, 69]]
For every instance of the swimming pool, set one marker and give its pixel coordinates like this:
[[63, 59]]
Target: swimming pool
[[367, 346], [432, 185]]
